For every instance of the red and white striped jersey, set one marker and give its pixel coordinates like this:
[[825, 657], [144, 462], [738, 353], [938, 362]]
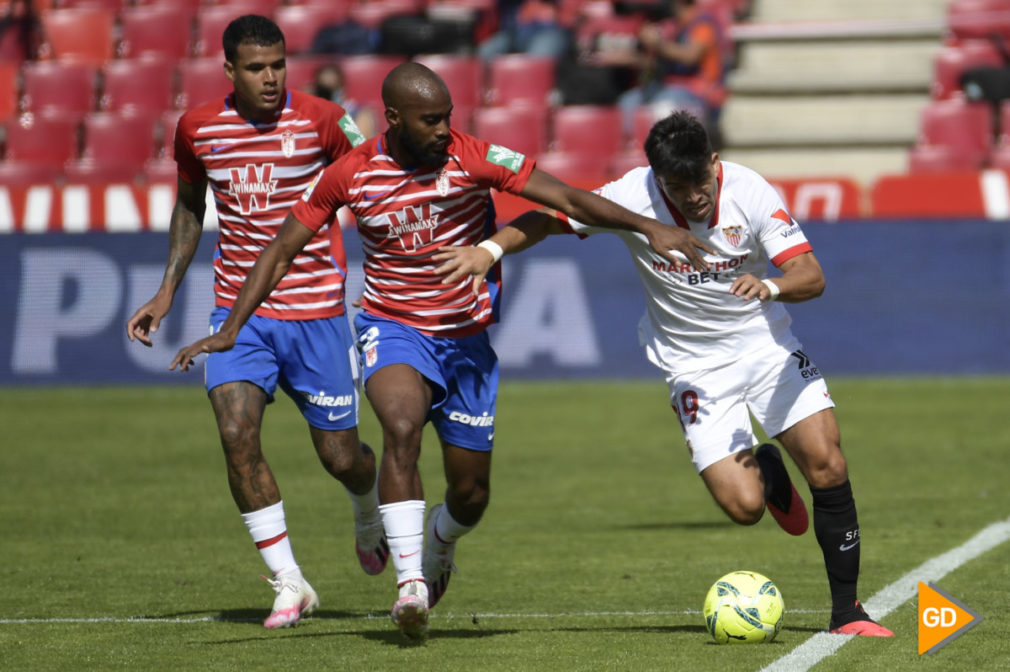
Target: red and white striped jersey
[[257, 171], [406, 214]]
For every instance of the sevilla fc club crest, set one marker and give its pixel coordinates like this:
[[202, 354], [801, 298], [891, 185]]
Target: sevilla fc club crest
[[732, 234], [288, 144], [442, 183]]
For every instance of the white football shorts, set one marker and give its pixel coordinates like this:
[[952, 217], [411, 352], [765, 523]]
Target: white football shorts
[[779, 385]]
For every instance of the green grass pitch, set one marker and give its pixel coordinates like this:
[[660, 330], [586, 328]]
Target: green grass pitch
[[121, 547]]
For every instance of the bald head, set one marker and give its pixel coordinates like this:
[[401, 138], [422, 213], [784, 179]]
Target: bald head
[[410, 84]]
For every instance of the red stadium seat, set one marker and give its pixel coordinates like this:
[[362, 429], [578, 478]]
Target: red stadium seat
[[164, 132], [942, 159], [518, 78], [45, 140], [588, 129], [371, 14], [978, 19], [301, 71], [200, 80], [115, 145], [464, 75], [955, 123], [8, 90], [951, 61], [156, 29], [112, 5], [20, 173], [575, 166], [137, 85], [363, 77], [642, 122], [161, 171], [300, 23], [78, 34], [520, 128], [627, 160], [54, 87]]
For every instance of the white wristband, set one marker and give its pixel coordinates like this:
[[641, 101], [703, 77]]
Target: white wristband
[[773, 289], [494, 248]]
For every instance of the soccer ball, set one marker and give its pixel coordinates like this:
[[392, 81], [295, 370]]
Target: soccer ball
[[743, 608]]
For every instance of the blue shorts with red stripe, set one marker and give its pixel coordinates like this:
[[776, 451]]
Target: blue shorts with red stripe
[[314, 361], [463, 371]]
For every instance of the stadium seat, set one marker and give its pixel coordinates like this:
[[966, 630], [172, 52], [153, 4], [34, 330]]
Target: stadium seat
[[137, 85], [8, 90], [200, 80], [942, 159], [464, 75], [164, 133], [363, 77], [642, 122], [300, 23], [301, 70], [575, 166], [156, 29], [965, 127], [262, 7], [54, 87], [50, 141], [518, 78], [953, 60], [520, 128], [593, 130], [111, 5], [626, 160], [14, 172], [84, 35], [114, 145], [978, 19], [372, 14], [161, 170]]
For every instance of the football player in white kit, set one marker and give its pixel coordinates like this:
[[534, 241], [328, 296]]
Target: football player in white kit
[[721, 337]]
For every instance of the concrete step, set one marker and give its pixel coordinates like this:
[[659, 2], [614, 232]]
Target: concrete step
[[825, 66], [863, 164], [764, 121], [820, 10]]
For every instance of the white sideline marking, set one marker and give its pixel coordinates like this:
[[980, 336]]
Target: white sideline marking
[[382, 615], [892, 596]]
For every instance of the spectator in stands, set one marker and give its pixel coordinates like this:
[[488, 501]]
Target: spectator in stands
[[679, 62], [329, 85], [532, 27]]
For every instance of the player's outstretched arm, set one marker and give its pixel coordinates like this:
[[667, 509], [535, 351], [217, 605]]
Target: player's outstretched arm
[[524, 231], [268, 270], [802, 279], [594, 210], [184, 237]]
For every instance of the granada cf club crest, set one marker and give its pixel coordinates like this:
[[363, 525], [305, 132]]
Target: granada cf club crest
[[442, 183], [288, 143], [252, 185], [732, 234]]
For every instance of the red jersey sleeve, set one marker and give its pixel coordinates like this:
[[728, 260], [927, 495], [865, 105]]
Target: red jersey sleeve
[[494, 165], [327, 193], [191, 169]]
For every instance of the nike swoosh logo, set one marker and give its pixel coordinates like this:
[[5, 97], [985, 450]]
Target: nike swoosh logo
[[407, 555], [848, 547], [215, 150], [372, 197], [332, 417]]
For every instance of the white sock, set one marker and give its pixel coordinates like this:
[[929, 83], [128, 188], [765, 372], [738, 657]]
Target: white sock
[[366, 506], [447, 530], [404, 523], [270, 533]]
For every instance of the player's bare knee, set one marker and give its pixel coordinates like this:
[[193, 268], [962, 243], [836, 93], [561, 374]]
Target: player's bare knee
[[829, 471], [745, 510], [237, 436]]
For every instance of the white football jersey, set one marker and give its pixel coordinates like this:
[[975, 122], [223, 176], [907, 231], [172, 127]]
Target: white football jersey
[[692, 322]]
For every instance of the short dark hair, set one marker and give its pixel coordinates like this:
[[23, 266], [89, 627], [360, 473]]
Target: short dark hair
[[254, 28], [678, 146]]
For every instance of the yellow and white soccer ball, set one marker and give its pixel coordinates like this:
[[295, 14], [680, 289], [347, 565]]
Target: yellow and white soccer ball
[[744, 608]]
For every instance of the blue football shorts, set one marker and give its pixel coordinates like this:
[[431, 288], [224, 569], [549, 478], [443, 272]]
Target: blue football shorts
[[463, 371], [314, 361]]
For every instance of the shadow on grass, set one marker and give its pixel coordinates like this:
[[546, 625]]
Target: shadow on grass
[[679, 525]]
